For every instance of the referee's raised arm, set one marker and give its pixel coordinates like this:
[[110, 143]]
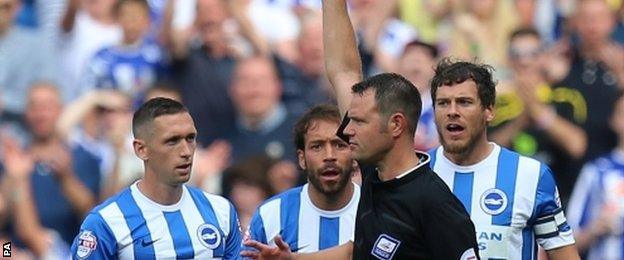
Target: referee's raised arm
[[342, 60]]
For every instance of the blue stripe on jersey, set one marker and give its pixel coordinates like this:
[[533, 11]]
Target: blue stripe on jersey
[[289, 217], [462, 188], [181, 238], [506, 181], [432, 154], [529, 249], [136, 224], [329, 232], [256, 228], [209, 216]]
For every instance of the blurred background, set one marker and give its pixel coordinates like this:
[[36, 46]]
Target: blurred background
[[73, 71]]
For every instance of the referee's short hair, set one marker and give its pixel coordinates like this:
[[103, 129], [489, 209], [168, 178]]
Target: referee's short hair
[[393, 93], [152, 109], [323, 112]]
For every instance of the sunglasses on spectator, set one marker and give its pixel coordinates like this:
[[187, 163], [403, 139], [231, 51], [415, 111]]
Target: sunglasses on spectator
[[516, 53]]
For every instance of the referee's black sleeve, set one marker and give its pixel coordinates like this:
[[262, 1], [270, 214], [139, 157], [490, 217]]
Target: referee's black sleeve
[[447, 227]]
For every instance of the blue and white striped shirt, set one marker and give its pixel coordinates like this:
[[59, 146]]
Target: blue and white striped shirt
[[512, 200], [600, 186], [131, 226], [302, 225]]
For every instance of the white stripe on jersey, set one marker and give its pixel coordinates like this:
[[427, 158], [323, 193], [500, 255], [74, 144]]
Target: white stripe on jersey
[[309, 222], [222, 212], [192, 219], [156, 222], [117, 223], [271, 219]]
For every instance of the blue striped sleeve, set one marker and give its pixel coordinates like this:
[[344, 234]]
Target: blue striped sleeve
[[234, 240], [548, 205], [256, 228], [95, 240]]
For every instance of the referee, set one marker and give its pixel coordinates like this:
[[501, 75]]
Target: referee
[[406, 211]]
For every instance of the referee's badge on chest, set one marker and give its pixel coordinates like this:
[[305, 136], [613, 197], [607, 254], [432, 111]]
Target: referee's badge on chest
[[385, 247], [493, 201]]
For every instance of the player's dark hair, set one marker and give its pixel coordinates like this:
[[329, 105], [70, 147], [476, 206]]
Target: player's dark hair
[[393, 94], [323, 112], [152, 109], [449, 72]]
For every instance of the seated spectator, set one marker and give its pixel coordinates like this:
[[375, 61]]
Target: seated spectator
[[264, 125], [596, 209], [24, 59], [133, 65]]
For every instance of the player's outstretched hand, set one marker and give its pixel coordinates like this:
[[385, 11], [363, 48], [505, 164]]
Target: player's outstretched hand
[[265, 252]]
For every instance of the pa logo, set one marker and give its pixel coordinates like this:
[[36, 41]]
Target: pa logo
[[493, 201], [209, 236]]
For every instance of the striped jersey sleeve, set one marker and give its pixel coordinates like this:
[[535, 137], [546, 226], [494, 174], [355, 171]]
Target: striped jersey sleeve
[[95, 240], [551, 227]]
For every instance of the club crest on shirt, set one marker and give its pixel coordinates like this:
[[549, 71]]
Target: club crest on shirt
[[209, 236], [493, 201], [87, 243], [385, 247]]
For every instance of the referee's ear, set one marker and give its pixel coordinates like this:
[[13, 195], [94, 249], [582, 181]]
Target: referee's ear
[[140, 149]]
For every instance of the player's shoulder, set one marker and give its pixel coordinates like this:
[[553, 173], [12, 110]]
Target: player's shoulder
[[526, 165], [287, 195], [123, 194], [216, 201]]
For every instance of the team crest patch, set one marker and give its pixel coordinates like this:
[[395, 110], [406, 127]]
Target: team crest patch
[[493, 201], [209, 236], [385, 247], [87, 243]]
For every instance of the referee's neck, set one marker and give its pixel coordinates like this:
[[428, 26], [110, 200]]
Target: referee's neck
[[396, 162]]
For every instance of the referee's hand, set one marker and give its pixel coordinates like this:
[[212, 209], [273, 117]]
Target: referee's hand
[[265, 252]]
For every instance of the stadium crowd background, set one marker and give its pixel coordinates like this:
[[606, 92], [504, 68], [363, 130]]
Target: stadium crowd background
[[72, 71]]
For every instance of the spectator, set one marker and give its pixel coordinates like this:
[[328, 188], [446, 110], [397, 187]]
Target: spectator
[[596, 213], [527, 119], [416, 64], [87, 26], [264, 125], [65, 180], [482, 31], [203, 71], [596, 71], [247, 187], [133, 65], [24, 59], [100, 122]]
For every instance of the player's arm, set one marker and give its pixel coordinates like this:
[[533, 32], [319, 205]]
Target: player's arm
[[95, 240], [342, 60], [282, 251], [551, 228]]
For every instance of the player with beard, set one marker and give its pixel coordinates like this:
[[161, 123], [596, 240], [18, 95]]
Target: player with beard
[[320, 214], [512, 199]]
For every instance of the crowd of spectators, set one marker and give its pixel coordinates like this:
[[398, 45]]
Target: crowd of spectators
[[72, 72]]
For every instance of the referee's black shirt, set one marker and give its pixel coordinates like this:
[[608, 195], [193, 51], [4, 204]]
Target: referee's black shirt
[[413, 217]]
